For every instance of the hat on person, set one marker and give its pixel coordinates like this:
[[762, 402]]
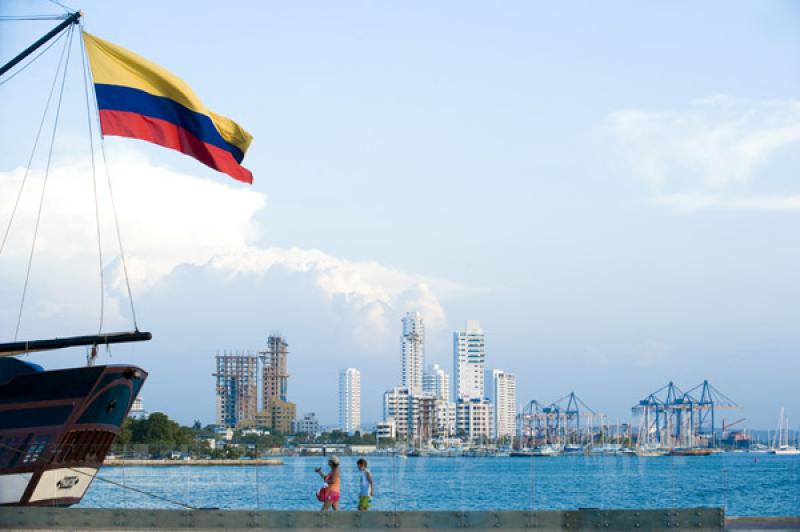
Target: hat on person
[[334, 460]]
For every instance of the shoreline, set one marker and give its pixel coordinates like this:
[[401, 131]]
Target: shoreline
[[116, 462]]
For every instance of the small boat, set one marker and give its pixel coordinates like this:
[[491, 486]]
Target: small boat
[[541, 450], [783, 447], [609, 449], [651, 450], [691, 451], [759, 448], [785, 450], [572, 449]]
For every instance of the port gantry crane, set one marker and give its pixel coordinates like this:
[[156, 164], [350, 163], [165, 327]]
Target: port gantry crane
[[672, 418], [557, 423]]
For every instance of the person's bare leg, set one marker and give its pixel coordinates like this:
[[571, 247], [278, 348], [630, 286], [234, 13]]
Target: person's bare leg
[[325, 506], [335, 506]]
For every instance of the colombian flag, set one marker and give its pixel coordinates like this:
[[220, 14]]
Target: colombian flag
[[141, 100]]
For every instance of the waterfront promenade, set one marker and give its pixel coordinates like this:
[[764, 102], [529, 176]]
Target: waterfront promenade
[[673, 519], [34, 519]]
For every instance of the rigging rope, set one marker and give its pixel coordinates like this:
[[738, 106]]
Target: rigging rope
[[94, 186], [35, 145], [62, 6], [44, 184], [114, 210]]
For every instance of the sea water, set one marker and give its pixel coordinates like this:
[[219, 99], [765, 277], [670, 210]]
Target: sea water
[[744, 484]]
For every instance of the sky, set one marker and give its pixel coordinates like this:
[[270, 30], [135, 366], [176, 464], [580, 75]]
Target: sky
[[610, 188]]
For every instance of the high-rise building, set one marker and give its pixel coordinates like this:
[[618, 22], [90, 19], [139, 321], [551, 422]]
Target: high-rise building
[[275, 370], [474, 419], [436, 382], [418, 418], [413, 351], [350, 400], [398, 407], [236, 389], [503, 395], [445, 423], [469, 359]]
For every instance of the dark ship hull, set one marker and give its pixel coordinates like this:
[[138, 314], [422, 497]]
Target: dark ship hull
[[56, 428]]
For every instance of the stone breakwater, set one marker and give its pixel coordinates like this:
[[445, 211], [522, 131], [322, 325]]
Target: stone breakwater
[[135, 463]]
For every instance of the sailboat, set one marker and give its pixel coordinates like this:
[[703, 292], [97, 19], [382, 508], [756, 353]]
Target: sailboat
[[57, 426], [782, 446]]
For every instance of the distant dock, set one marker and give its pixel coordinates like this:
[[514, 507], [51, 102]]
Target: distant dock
[[112, 462]]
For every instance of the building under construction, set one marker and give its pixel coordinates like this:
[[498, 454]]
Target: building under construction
[[237, 388]]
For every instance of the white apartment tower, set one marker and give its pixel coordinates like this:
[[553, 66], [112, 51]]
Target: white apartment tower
[[350, 400], [436, 381], [413, 351], [504, 399], [474, 420], [469, 359], [398, 408]]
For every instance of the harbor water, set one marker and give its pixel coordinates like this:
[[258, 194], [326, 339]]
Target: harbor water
[[744, 484]]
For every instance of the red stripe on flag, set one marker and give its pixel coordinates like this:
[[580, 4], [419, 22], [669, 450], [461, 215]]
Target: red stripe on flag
[[167, 134]]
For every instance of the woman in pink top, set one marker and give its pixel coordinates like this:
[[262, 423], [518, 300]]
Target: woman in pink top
[[333, 481]]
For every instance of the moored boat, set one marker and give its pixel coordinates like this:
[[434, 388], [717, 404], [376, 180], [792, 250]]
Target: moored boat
[[691, 451], [56, 428]]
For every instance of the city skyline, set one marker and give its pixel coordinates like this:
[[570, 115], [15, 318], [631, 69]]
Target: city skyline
[[613, 204]]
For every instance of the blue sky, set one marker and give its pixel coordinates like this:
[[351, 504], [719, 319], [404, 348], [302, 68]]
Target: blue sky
[[611, 188]]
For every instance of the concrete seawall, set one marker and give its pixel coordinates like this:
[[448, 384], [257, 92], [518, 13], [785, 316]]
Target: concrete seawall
[[35, 519]]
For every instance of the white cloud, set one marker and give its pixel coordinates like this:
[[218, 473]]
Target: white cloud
[[376, 293], [715, 142], [169, 220], [698, 201]]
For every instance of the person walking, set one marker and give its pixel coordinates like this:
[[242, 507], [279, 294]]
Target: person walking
[[366, 487], [333, 482]]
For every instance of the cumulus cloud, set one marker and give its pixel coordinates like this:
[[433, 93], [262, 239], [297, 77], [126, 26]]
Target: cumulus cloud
[[717, 141], [171, 220], [374, 292]]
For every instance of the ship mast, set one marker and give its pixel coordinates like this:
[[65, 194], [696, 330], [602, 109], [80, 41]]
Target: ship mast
[[72, 18], [18, 348]]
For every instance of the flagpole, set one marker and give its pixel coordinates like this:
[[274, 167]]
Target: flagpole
[[73, 18]]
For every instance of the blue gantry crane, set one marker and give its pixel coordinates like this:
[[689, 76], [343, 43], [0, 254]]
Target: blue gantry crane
[[671, 418]]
